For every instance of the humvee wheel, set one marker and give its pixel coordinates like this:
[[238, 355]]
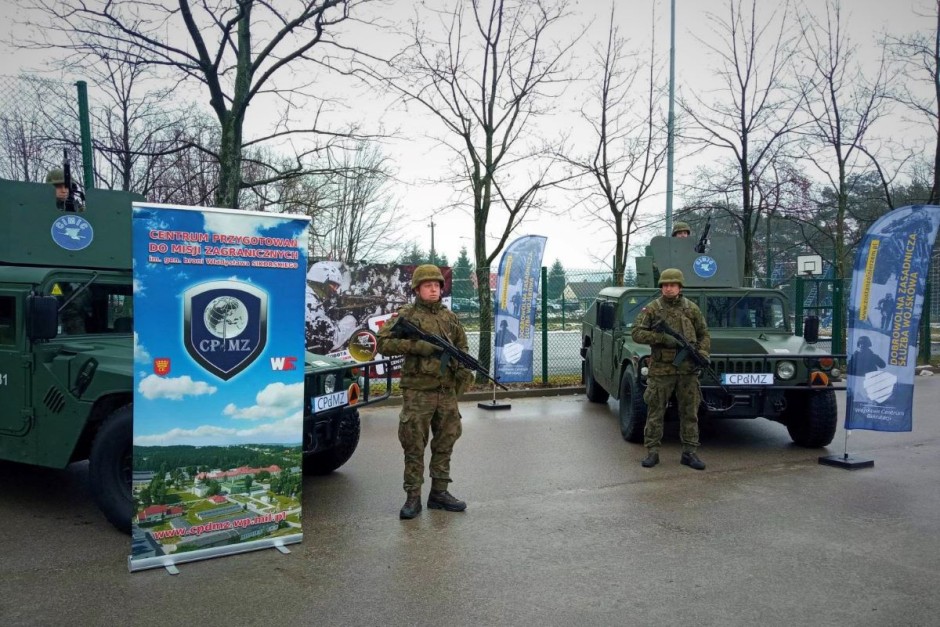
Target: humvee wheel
[[632, 409], [110, 465], [595, 393], [325, 462], [815, 425]]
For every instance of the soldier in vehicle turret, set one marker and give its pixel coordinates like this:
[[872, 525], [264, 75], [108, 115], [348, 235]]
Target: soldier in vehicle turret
[[681, 229], [56, 178], [665, 377]]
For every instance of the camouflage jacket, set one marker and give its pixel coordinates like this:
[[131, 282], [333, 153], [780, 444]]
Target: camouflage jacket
[[682, 315], [418, 372]]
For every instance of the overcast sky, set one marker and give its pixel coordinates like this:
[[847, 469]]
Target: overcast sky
[[578, 240]]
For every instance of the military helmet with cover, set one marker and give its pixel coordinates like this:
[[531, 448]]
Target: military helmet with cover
[[864, 342], [426, 272], [56, 177], [671, 275], [681, 226]]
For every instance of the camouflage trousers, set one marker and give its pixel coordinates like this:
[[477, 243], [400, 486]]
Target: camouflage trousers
[[425, 411], [657, 395]]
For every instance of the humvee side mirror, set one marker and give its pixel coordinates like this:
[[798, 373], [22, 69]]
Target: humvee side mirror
[[605, 315], [811, 329], [42, 317]]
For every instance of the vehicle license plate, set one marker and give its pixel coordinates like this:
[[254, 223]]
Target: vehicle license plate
[[747, 378], [330, 401]]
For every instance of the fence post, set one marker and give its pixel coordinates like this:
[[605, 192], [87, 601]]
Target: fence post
[[798, 306], [925, 328], [838, 317], [544, 325]]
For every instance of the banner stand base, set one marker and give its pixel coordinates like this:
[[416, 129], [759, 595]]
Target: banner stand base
[[494, 406], [847, 462]]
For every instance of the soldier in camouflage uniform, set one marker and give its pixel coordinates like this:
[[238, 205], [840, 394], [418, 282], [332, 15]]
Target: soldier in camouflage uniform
[[685, 317], [429, 395]]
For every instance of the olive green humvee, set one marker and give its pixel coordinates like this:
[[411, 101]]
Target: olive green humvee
[[759, 368], [67, 348]]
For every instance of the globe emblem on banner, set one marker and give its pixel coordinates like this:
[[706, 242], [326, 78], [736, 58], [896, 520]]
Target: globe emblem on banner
[[705, 267], [226, 317]]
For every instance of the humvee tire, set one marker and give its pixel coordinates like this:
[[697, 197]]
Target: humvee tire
[[110, 465], [632, 409], [595, 393], [347, 439], [814, 419]]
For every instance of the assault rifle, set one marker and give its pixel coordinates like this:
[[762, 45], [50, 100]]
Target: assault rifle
[[703, 240], [687, 351], [405, 329]]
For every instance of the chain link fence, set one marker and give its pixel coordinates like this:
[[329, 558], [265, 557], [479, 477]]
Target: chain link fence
[[38, 118]]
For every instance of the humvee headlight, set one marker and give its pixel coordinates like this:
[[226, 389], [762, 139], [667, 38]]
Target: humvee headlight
[[786, 370], [329, 384], [835, 372]]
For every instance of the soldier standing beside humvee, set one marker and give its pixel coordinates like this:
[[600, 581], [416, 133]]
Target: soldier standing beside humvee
[[666, 377]]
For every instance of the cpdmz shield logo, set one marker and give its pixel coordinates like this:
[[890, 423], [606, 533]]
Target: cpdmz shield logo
[[225, 325]]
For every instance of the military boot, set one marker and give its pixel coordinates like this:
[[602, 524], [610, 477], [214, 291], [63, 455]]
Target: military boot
[[691, 460], [442, 499], [651, 459], [412, 506]]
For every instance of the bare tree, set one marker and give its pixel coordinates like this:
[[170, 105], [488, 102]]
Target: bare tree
[[754, 112], [842, 105], [238, 50], [917, 57], [486, 80], [630, 139]]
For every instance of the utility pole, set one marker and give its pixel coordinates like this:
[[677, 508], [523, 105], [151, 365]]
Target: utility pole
[[671, 142], [433, 256]]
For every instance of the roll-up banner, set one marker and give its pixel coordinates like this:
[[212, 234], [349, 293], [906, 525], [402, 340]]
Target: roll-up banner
[[517, 288], [888, 285], [218, 383]]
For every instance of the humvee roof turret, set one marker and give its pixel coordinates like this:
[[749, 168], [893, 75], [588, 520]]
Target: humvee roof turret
[[759, 368]]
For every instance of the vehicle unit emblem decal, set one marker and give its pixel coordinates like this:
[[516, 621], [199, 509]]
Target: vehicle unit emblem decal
[[72, 232], [705, 267], [225, 325]]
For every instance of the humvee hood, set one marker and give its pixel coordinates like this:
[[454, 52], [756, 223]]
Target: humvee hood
[[773, 344]]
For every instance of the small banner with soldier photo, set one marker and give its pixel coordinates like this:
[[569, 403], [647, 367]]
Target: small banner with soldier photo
[[218, 383], [888, 286]]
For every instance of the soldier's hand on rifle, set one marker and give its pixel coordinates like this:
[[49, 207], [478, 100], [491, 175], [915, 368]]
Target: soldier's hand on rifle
[[423, 348], [705, 356], [667, 341]]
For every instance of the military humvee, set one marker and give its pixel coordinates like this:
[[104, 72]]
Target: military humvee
[[67, 348], [759, 368]]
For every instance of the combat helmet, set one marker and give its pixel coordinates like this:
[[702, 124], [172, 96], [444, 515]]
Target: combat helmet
[[672, 275], [426, 272], [325, 273], [681, 226], [56, 177]]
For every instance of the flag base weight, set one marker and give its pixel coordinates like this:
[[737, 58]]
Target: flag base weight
[[494, 406], [847, 462]]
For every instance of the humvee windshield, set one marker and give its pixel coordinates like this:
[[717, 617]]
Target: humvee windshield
[[99, 308], [749, 312], [632, 305]]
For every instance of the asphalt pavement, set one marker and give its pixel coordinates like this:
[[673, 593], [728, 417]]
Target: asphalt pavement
[[563, 527]]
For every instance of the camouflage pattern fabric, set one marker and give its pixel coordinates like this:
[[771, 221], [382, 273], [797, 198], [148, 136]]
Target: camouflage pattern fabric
[[419, 372], [429, 397], [688, 396], [682, 315], [664, 378], [423, 412], [320, 330]]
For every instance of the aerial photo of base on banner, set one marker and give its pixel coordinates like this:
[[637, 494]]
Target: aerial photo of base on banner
[[218, 384]]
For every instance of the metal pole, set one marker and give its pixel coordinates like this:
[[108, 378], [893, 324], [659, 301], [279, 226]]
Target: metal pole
[[670, 149], [544, 325], [433, 256], [84, 123]]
